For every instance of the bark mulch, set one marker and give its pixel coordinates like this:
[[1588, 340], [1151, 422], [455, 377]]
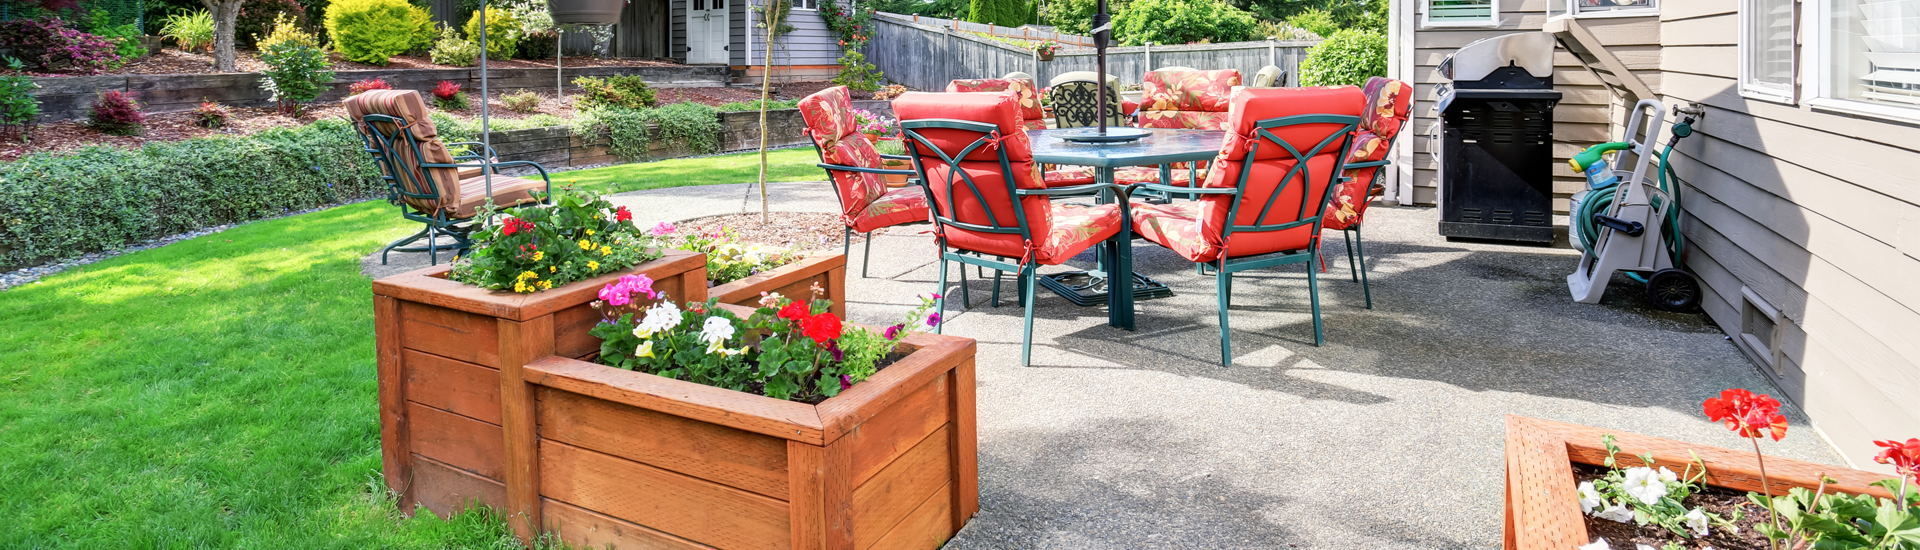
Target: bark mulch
[[174, 61]]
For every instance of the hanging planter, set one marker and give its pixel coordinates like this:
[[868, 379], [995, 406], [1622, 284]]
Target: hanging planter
[[590, 12]]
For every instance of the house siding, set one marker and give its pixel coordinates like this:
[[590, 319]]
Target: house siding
[[1587, 113], [1815, 213], [810, 43]]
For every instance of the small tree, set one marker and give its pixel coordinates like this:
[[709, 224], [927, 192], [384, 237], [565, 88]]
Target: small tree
[[296, 74], [225, 13]]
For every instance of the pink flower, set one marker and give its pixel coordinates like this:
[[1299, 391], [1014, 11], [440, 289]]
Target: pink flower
[[663, 229], [845, 382], [621, 292], [933, 319]]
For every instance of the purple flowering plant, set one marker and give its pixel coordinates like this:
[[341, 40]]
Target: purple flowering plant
[[48, 44]]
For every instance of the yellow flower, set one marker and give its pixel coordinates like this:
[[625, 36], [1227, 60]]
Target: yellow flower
[[537, 255], [529, 275], [546, 285], [645, 350], [590, 231], [593, 265], [553, 269], [605, 251], [520, 286], [586, 244]]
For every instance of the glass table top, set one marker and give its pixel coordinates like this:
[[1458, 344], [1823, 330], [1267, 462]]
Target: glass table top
[[1164, 145]]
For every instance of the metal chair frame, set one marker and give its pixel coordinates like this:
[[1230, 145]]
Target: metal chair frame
[[1351, 233], [847, 245], [1226, 266], [399, 180], [1073, 98], [1025, 268]]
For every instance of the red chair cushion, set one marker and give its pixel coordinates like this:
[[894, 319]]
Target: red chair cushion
[[1075, 228], [1001, 109], [1069, 177], [899, 206], [1031, 116], [1187, 99], [1389, 105], [829, 117]]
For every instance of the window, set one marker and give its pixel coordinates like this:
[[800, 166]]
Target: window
[[1869, 57], [1603, 8], [1767, 53], [806, 4], [1461, 13]]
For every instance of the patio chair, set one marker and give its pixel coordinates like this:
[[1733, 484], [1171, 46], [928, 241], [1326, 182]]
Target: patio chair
[[1270, 77], [1262, 204], [853, 164], [990, 208], [430, 184], [1188, 99], [1031, 118], [1388, 104], [1075, 104]]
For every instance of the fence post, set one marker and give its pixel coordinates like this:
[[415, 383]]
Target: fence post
[[1272, 58], [1149, 50]]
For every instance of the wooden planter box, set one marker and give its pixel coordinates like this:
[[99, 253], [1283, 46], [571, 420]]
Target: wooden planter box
[[1543, 508], [605, 456], [442, 347], [794, 280]]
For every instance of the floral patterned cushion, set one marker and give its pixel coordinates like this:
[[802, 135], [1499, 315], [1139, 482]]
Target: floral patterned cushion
[[1001, 109], [1176, 226], [829, 117], [1197, 120], [1069, 177], [1351, 198], [1075, 228], [898, 206], [1031, 115], [1187, 99], [1389, 102]]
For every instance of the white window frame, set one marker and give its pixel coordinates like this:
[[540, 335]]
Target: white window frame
[[1820, 73], [1493, 17], [797, 5], [1573, 10], [1753, 90]]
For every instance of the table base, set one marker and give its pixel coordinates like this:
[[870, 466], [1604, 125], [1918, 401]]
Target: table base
[[1089, 288]]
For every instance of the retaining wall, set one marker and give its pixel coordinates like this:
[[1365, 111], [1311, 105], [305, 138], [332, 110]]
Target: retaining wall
[[557, 146]]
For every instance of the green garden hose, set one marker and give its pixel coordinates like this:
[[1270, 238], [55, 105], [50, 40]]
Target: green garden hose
[[1598, 200]]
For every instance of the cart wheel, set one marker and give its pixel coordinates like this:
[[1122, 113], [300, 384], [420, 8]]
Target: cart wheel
[[1673, 290]]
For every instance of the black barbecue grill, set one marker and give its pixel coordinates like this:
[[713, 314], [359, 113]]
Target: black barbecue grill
[[1496, 139]]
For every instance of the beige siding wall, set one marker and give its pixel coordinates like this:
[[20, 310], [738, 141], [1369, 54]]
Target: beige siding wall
[[1586, 111], [1816, 213]]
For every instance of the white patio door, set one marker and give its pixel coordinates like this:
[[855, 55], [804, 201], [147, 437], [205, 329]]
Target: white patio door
[[707, 31]]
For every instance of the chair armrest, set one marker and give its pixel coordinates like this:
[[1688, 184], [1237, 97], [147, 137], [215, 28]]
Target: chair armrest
[[1087, 189], [895, 157], [1367, 164], [491, 152], [866, 170], [1196, 190]]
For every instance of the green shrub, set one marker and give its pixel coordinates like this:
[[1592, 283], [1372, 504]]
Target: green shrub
[[856, 73], [1182, 22], [60, 205], [538, 45], [286, 29], [503, 32], [1005, 13], [17, 106], [694, 125], [125, 38], [423, 29], [754, 105], [521, 102], [191, 31], [1348, 57], [1317, 21], [258, 18], [296, 74], [1076, 16], [453, 50], [626, 92], [370, 31]]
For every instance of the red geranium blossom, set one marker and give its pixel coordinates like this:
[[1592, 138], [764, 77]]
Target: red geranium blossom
[[796, 311], [515, 225], [1747, 414], [822, 328], [622, 215], [1905, 457]]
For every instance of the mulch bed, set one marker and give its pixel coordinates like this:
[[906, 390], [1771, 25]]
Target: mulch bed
[[804, 231], [1715, 500], [173, 61], [174, 126]]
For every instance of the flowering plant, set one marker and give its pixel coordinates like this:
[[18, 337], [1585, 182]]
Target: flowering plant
[[1647, 496], [447, 96], [210, 114], [535, 248], [367, 85], [1044, 47], [728, 259], [785, 349], [48, 44], [889, 91], [875, 125]]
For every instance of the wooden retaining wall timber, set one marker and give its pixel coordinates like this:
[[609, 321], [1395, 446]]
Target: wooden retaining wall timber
[[557, 146], [68, 97]]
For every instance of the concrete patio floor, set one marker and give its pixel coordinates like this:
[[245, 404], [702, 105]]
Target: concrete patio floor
[[1388, 436]]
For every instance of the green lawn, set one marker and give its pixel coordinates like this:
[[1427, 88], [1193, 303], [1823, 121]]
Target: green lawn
[[220, 392], [782, 165]]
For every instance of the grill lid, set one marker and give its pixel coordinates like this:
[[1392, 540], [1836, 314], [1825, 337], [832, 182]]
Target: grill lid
[[1530, 51]]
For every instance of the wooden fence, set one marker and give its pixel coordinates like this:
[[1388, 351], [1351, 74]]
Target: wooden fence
[[1023, 33], [926, 57]]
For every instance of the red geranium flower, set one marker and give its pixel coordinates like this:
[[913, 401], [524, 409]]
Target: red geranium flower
[[796, 311], [1747, 414], [822, 328], [1905, 457], [621, 214]]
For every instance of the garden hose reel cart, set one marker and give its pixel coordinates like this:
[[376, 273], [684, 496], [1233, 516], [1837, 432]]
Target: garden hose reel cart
[[1628, 219]]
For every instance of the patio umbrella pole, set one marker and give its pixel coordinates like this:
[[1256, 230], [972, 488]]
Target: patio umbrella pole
[[1102, 29]]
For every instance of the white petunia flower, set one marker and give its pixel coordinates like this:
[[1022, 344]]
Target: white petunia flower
[[1668, 475], [1644, 484], [1589, 498], [1697, 522], [658, 318], [1616, 513], [716, 330], [1598, 544], [1643, 547]]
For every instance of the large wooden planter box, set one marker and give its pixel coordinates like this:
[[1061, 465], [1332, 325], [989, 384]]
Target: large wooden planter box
[[605, 456], [442, 346], [794, 280], [1543, 508]]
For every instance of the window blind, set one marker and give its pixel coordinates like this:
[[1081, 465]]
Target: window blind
[[1460, 11]]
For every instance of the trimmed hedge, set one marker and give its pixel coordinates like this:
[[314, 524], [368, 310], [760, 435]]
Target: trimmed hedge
[[60, 205]]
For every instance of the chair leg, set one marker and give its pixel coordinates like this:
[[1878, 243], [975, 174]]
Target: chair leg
[[433, 247], [966, 295], [1223, 288], [1313, 294], [996, 288], [866, 254], [940, 301], [403, 242], [1347, 237], [1361, 244], [846, 244], [1026, 296]]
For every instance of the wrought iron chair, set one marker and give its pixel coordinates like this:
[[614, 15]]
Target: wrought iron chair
[[1031, 118], [1388, 105], [430, 184], [1262, 204], [990, 207], [850, 159], [1075, 104]]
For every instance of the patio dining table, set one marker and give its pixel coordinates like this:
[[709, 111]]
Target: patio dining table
[[1162, 146]]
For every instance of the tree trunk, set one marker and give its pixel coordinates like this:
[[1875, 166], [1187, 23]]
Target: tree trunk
[[766, 86], [225, 12]]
